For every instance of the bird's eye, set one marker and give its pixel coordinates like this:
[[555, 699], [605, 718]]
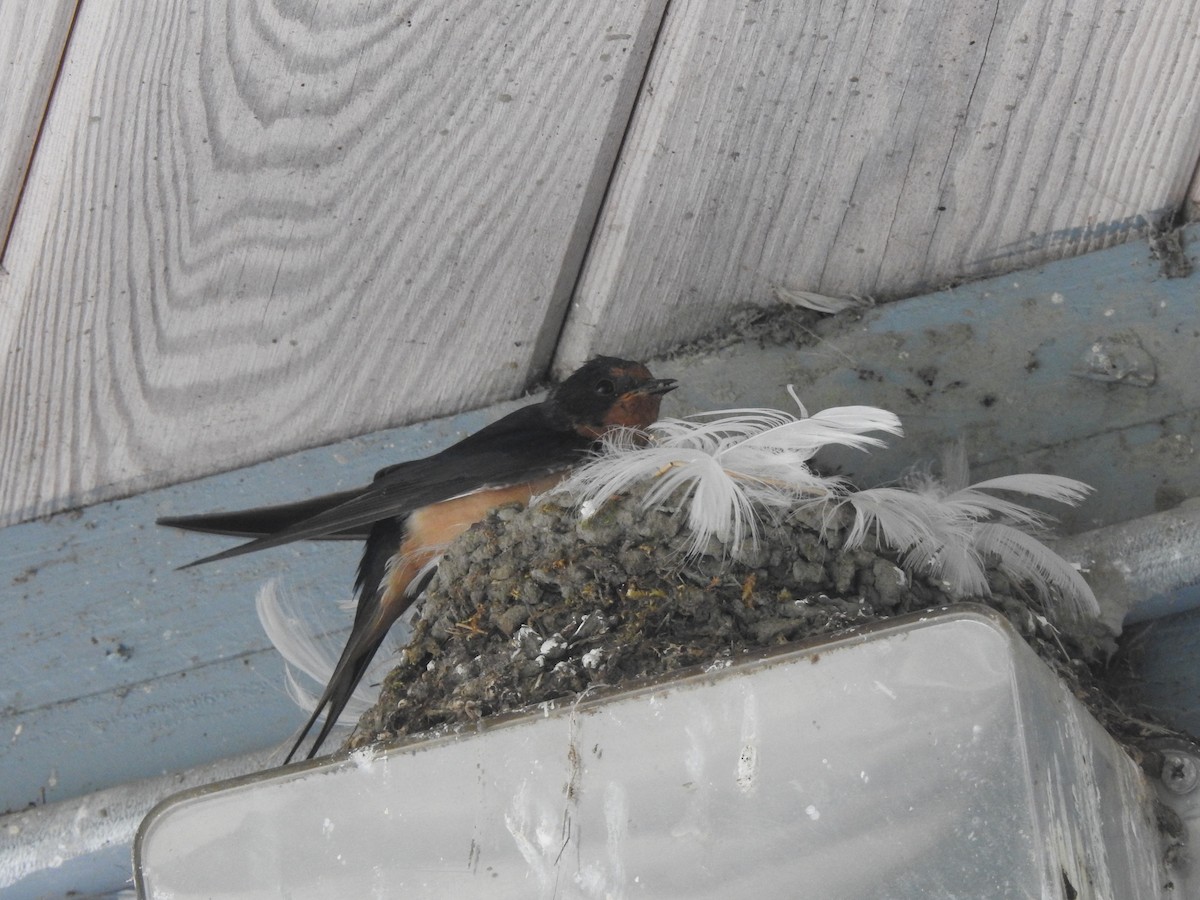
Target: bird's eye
[[605, 388]]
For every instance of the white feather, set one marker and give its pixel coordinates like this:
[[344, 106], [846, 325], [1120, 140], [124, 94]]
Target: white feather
[[953, 534], [1026, 559], [1052, 487], [907, 521], [725, 466], [302, 635]]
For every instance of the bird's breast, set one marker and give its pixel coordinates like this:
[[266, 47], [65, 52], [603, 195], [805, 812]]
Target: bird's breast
[[429, 530]]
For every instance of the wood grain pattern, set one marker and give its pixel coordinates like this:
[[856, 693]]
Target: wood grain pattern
[[881, 149], [257, 226], [33, 35]]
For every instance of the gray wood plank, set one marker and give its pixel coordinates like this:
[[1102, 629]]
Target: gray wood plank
[[33, 35], [252, 228], [881, 149]]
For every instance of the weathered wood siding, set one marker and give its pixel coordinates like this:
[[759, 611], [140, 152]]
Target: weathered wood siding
[[33, 36], [253, 227], [882, 149]]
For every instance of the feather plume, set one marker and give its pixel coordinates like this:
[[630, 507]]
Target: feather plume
[[953, 530], [299, 633], [726, 466], [1024, 558]]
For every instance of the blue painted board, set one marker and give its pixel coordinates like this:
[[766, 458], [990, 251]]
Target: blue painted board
[[994, 362], [106, 645], [147, 728]]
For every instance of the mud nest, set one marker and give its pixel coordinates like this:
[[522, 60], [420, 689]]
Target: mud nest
[[532, 605]]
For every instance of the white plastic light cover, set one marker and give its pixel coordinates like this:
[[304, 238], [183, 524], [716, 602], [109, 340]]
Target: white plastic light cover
[[931, 757]]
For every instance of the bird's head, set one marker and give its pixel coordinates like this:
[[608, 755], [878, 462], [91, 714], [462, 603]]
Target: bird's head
[[606, 392]]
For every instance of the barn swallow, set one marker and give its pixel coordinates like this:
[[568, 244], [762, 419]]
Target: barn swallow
[[411, 511]]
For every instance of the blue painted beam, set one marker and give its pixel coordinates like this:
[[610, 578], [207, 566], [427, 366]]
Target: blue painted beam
[[117, 666], [1000, 363]]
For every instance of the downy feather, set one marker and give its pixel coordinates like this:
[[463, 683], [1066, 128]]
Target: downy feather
[[298, 631], [726, 465], [953, 531]]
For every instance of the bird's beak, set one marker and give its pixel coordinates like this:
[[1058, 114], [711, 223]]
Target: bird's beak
[[658, 386]]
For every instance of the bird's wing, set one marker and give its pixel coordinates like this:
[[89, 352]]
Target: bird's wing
[[263, 520], [515, 449]]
